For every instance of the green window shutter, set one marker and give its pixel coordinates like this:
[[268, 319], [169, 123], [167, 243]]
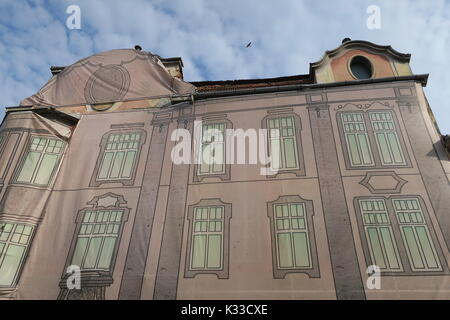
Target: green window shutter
[[291, 235], [119, 157], [283, 144], [356, 139], [207, 238], [96, 240], [14, 241], [380, 239], [421, 251], [387, 139], [41, 160], [212, 147]]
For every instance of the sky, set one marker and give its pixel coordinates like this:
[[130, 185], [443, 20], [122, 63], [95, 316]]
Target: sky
[[211, 37]]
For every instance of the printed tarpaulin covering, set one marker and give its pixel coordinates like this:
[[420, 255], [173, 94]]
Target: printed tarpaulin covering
[[96, 207], [110, 76]]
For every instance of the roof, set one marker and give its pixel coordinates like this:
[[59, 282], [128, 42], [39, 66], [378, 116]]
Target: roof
[[204, 86]]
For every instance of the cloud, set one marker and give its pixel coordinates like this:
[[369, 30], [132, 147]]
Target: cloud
[[210, 36]]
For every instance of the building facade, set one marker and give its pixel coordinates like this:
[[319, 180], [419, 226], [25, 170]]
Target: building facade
[[88, 180]]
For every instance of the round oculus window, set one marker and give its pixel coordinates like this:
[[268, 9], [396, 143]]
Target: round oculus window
[[361, 68]]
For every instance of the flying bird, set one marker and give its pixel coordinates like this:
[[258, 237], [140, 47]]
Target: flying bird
[[248, 44]]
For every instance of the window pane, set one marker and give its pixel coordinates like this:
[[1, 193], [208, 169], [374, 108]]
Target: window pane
[[198, 251], [214, 251], [375, 248], [107, 253], [93, 252], [384, 149], [128, 166], [80, 250], [290, 153], [10, 265], [353, 148], [395, 147], [117, 164], [46, 168], [388, 243], [413, 249], [365, 149], [425, 243], [284, 250], [219, 158], [106, 164], [29, 165], [301, 249]]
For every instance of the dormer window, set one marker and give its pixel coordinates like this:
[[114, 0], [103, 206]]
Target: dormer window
[[361, 68]]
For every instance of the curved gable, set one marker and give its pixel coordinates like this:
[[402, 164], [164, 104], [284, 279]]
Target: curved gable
[[109, 76], [383, 61]]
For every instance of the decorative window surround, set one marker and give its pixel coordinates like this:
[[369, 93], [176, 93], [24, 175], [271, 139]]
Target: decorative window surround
[[119, 156], [291, 220], [220, 124], [289, 124], [95, 244], [209, 231], [40, 161], [398, 236], [15, 241], [372, 139]]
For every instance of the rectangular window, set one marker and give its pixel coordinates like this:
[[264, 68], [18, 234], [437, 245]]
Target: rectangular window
[[97, 239], [291, 236], [207, 238], [386, 137], [284, 142], [119, 156], [2, 139], [378, 231], [415, 234], [357, 140], [14, 241], [41, 160], [212, 150]]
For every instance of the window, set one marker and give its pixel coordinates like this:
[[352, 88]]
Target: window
[[415, 234], [3, 136], [212, 152], [386, 137], [284, 141], [357, 139], [95, 245], [120, 156], [397, 235], [40, 161], [371, 139], [208, 243], [14, 241], [207, 238], [97, 239], [361, 68], [378, 230], [293, 242]]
